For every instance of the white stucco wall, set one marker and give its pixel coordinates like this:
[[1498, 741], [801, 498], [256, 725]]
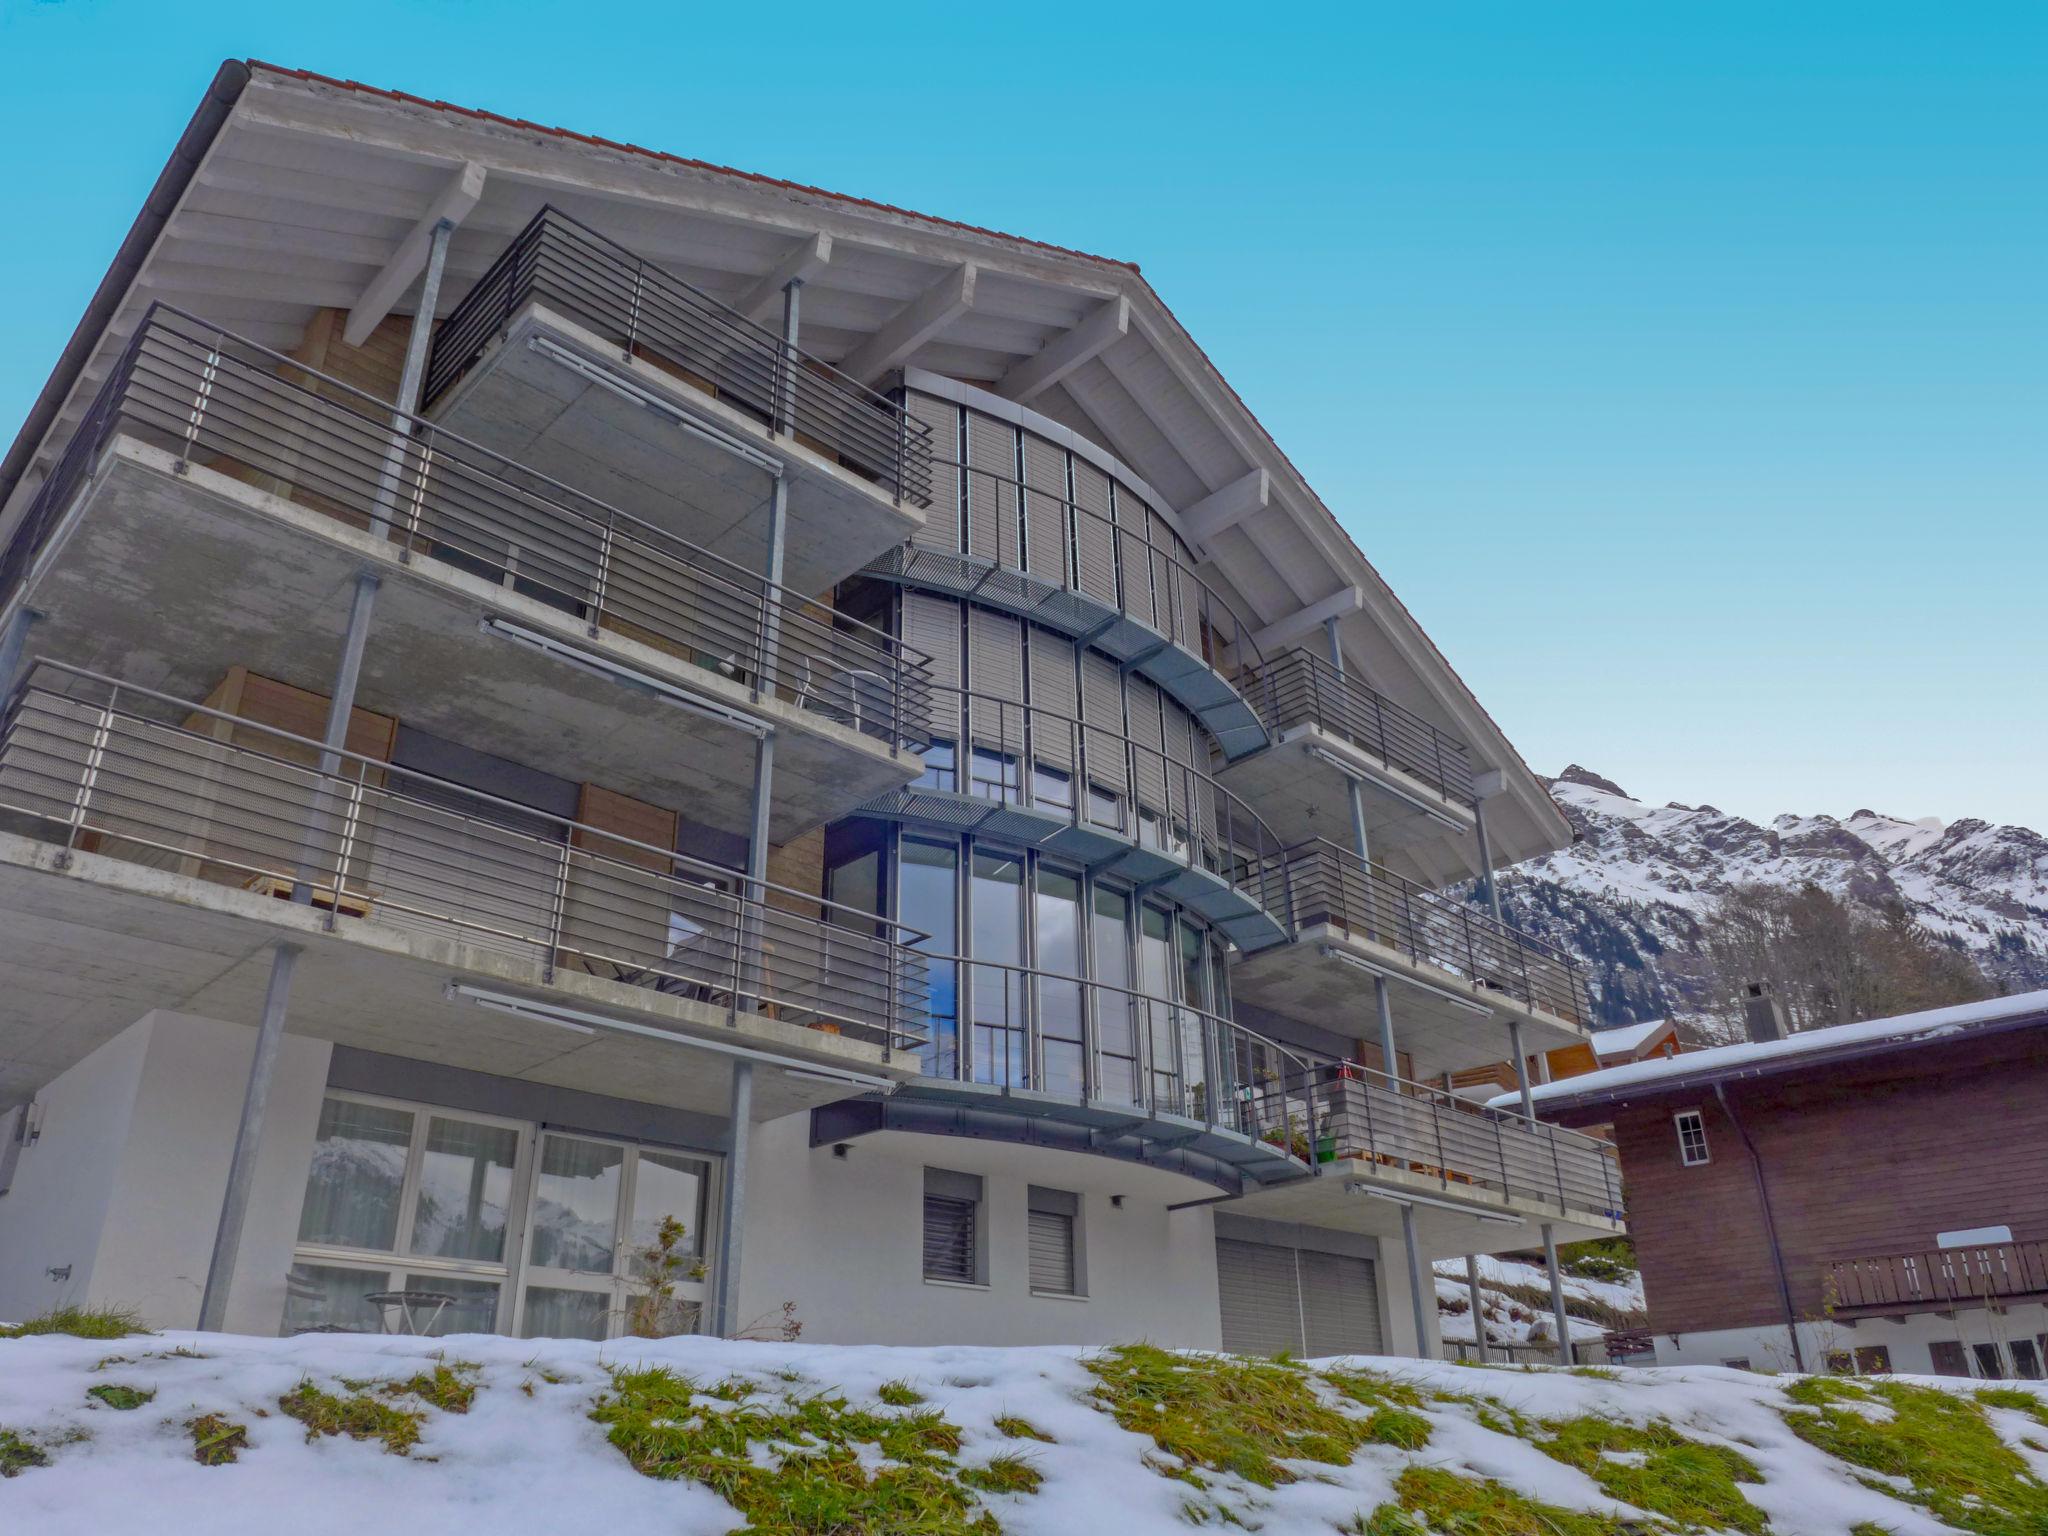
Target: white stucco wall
[[125, 1183], [56, 1209], [842, 1238], [1908, 1339]]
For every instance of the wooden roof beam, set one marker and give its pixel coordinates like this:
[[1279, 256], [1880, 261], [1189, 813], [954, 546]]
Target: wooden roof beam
[[1104, 326], [464, 190], [1228, 507], [1282, 633], [913, 325]]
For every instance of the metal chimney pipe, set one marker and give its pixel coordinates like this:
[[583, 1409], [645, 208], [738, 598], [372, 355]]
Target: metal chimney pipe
[[1763, 1013]]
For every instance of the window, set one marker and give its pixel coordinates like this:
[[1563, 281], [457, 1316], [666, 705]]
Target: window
[[952, 1227], [1057, 916], [1692, 1137], [2026, 1360], [1948, 1358], [996, 930], [1873, 1360], [1055, 1221], [929, 901], [1737, 1363], [1989, 1364]]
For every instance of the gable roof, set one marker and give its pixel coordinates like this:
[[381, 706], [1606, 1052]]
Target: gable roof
[[1809, 1050]]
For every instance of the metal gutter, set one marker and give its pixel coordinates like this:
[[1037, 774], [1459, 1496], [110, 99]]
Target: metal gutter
[[163, 199]]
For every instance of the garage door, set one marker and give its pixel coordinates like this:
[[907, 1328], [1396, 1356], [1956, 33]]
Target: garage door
[[1301, 1300]]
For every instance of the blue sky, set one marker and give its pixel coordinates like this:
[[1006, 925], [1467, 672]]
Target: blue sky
[[1683, 366]]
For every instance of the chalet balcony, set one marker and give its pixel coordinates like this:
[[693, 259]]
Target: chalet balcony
[[1327, 729], [218, 502], [138, 830], [1112, 804], [1454, 969], [1940, 1280], [587, 362], [1122, 587]]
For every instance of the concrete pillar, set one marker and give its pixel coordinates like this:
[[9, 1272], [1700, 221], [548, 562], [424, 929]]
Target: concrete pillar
[[1421, 1281], [725, 1290], [1478, 1310], [234, 1208], [1559, 1316]]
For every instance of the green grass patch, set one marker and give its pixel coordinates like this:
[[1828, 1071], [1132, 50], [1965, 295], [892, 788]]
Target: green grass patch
[[446, 1387], [116, 1396], [814, 1483], [900, 1394], [18, 1454], [1448, 1504], [1369, 1389], [1226, 1414], [358, 1415], [1488, 1414], [1940, 1442], [1007, 1473], [1402, 1428], [1687, 1482], [2028, 1403], [80, 1323], [216, 1439], [1010, 1425]]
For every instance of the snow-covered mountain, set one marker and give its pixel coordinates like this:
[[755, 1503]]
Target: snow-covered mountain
[[1627, 898]]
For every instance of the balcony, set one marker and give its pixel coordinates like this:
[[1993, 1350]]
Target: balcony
[[1110, 804], [1478, 1180], [586, 362], [1454, 969], [218, 501], [181, 827], [1029, 1056], [1108, 584], [1328, 728], [1941, 1280]]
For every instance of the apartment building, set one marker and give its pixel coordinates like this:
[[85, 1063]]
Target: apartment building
[[553, 687], [1808, 1202]]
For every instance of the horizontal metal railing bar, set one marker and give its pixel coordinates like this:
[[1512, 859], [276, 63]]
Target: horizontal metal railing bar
[[1330, 885], [197, 385], [1010, 555], [75, 753], [1299, 687], [558, 256], [1019, 735]]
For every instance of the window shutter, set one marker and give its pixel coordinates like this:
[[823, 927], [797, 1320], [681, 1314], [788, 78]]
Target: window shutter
[[932, 625], [995, 666], [1102, 706], [1092, 533], [1340, 1305], [1260, 1302], [948, 1239], [1174, 587], [1055, 699], [992, 490], [1052, 1253], [1133, 558], [1045, 509], [1142, 704], [941, 530]]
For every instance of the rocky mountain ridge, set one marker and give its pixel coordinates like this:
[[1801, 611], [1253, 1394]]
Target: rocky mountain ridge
[[1628, 897]]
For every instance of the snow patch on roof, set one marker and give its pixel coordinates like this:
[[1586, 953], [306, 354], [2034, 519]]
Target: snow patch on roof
[[1628, 1039]]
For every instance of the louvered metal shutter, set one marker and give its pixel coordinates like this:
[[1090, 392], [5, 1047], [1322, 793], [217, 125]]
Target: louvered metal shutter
[[949, 1238], [1094, 539], [1055, 699], [932, 625], [1177, 591], [1134, 560], [1045, 509], [1052, 1252], [992, 490], [1260, 1298], [941, 528], [995, 666], [1102, 707], [1340, 1305], [1141, 704]]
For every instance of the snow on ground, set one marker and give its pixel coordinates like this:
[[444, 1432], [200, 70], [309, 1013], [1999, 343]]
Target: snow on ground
[[1510, 1320], [527, 1459]]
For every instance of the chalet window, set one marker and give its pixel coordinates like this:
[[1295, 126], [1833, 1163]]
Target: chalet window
[[1054, 1240], [2026, 1360], [1989, 1363], [1948, 1358], [1692, 1137], [1873, 1360], [952, 1227]]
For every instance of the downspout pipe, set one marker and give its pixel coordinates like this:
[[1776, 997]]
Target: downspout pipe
[[1763, 1195], [163, 199]]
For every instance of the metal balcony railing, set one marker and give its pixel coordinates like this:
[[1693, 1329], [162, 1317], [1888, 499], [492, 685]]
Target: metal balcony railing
[[1941, 1278], [1016, 754], [647, 312], [229, 405], [1300, 688], [1367, 1116], [1331, 886], [93, 764], [1015, 1027]]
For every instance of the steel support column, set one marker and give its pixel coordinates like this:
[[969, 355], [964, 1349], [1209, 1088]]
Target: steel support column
[[1559, 1317], [1361, 842], [1390, 1057], [1478, 1310], [422, 331], [234, 1207], [1421, 1284], [725, 1290], [341, 703], [1521, 1068], [1486, 860]]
